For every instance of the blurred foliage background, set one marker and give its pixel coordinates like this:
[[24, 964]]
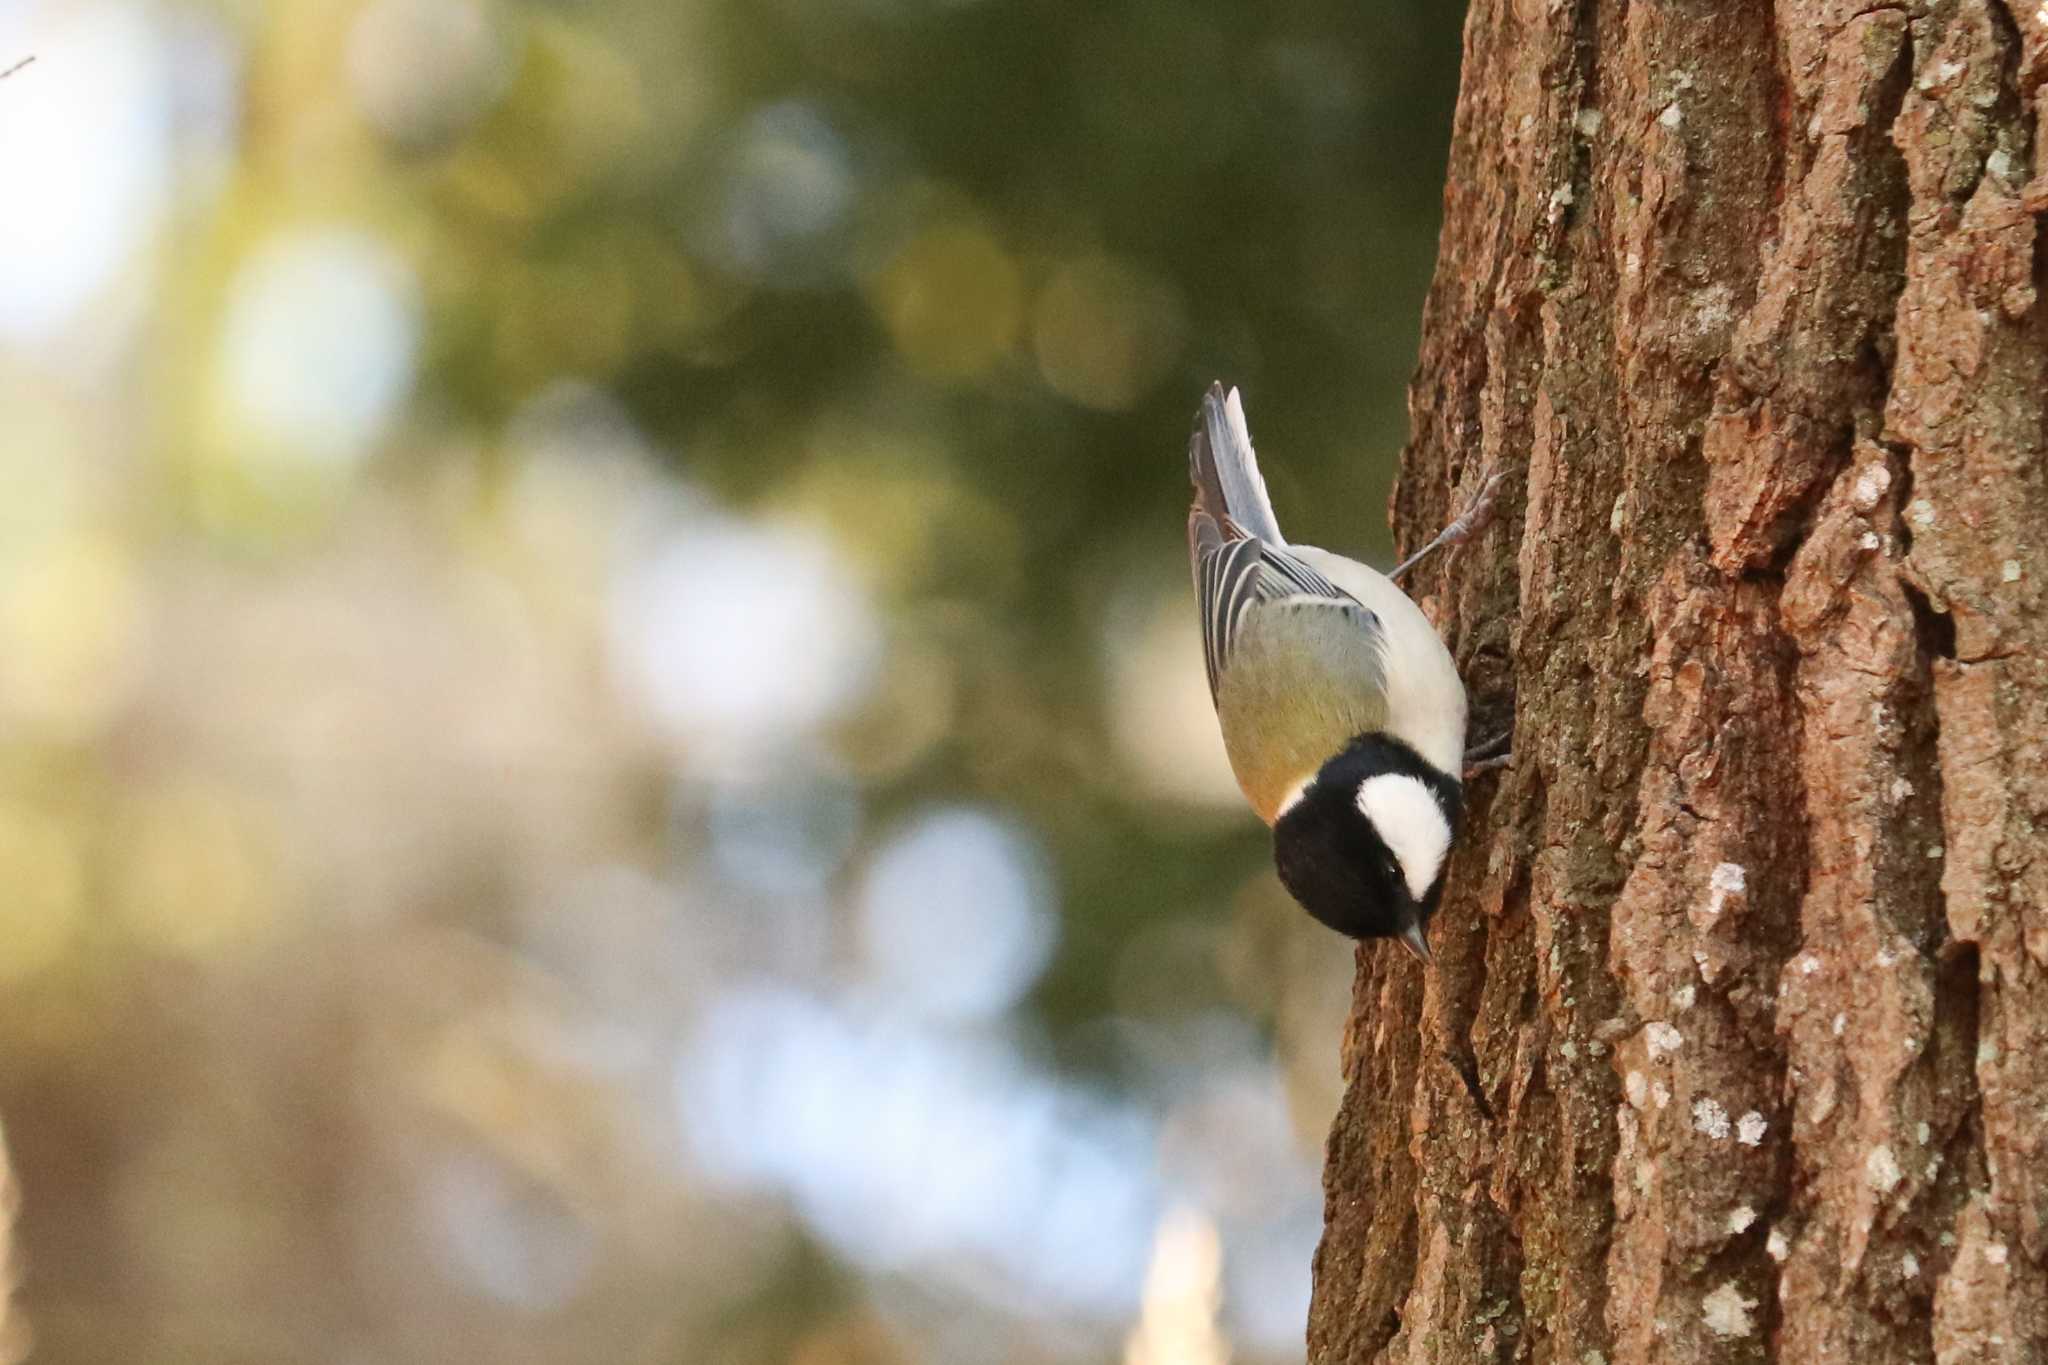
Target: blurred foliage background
[[603, 754]]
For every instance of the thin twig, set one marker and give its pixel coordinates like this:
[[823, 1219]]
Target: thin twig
[[17, 66]]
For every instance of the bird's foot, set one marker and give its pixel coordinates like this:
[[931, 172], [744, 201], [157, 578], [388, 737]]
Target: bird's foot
[[1491, 763], [1476, 517], [1489, 755], [1491, 748]]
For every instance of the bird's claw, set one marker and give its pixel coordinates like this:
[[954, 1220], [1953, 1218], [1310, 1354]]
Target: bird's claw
[[1492, 763], [1489, 755], [1476, 517]]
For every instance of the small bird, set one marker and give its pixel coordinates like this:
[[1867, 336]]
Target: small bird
[[1341, 710]]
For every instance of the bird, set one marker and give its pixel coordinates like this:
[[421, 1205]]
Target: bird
[[1342, 712]]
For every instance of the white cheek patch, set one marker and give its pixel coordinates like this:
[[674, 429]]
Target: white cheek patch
[[1411, 823]]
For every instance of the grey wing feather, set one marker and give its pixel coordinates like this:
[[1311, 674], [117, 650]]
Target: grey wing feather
[[1300, 578], [1226, 473], [1226, 582], [1234, 540], [1234, 575]]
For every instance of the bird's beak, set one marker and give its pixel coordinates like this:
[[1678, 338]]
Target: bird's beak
[[1412, 939]]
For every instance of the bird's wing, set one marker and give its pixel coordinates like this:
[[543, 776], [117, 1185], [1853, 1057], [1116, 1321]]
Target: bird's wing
[[1297, 665], [1233, 538], [1226, 473], [1301, 676], [1237, 574]]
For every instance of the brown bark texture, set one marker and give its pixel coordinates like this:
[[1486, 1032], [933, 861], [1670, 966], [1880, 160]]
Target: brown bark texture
[[1750, 944]]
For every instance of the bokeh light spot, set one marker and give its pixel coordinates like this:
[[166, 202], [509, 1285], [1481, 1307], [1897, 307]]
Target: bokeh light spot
[[574, 108], [317, 348], [742, 637], [1106, 330], [784, 195], [956, 916], [83, 158], [70, 624], [1161, 715], [422, 70], [912, 1149], [952, 301], [912, 523], [191, 872]]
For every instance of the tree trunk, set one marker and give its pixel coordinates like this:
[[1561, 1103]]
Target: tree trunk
[[1750, 944]]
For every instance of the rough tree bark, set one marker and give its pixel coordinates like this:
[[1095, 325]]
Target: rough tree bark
[[1751, 943]]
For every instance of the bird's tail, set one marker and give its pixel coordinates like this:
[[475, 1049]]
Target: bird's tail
[[1224, 470]]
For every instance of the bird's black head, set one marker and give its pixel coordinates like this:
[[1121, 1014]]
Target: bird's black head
[[1363, 848]]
